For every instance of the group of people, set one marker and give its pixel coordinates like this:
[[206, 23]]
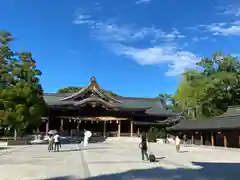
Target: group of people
[[54, 143], [144, 145], [179, 140]]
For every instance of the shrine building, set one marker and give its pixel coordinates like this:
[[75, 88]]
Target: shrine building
[[105, 115]]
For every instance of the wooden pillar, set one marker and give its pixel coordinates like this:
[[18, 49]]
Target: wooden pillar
[[104, 128], [138, 131], [47, 127], [238, 141], [212, 138], [201, 138], [61, 125], [225, 140], [119, 129], [131, 128], [192, 138]]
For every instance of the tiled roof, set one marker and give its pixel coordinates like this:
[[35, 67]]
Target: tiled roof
[[228, 120]]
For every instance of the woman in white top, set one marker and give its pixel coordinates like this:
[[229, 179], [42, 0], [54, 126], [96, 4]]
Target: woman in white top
[[56, 142], [177, 141], [50, 142]]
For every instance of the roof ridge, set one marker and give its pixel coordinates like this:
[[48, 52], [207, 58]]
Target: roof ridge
[[140, 98]]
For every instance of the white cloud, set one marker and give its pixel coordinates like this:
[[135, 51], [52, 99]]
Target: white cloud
[[200, 38], [229, 28], [224, 29], [143, 1], [122, 40], [126, 33], [230, 10], [83, 18], [178, 60]]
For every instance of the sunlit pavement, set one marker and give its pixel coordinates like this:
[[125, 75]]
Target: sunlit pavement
[[118, 160]]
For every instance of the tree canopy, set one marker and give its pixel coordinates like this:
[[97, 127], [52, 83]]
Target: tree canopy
[[212, 87], [21, 95]]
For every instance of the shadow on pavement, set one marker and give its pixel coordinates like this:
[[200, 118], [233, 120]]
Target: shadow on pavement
[[159, 158], [81, 149], [183, 151], [4, 148], [205, 171]]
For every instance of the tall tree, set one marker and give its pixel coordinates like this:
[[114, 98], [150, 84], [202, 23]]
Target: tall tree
[[69, 89], [212, 88], [21, 98]]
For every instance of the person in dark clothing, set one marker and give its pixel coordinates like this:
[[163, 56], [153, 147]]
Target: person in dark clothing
[[143, 146], [185, 140]]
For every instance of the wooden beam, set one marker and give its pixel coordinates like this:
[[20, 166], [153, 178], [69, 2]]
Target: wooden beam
[[104, 118]]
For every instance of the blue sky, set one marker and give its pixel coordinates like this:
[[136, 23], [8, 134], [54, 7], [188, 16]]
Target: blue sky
[[132, 47]]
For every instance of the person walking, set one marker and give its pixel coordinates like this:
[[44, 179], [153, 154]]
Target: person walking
[[143, 146], [50, 142], [87, 135], [56, 142], [177, 142], [184, 140]]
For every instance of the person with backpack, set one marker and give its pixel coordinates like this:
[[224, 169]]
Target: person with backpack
[[143, 146]]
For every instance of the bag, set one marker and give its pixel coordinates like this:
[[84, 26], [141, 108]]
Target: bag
[[152, 158]]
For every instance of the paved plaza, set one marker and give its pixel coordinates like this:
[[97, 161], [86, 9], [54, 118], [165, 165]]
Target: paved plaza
[[118, 160]]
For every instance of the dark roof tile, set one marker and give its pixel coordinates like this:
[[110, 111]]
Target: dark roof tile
[[216, 123]]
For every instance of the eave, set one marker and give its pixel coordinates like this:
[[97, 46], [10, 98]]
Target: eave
[[166, 123]]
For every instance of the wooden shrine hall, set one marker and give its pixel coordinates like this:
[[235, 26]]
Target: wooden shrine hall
[[93, 109], [223, 130]]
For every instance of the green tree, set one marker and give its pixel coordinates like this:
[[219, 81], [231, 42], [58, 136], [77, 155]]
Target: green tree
[[69, 89], [21, 97], [213, 87]]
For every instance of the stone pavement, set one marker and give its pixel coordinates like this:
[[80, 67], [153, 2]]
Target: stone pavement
[[117, 160]]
